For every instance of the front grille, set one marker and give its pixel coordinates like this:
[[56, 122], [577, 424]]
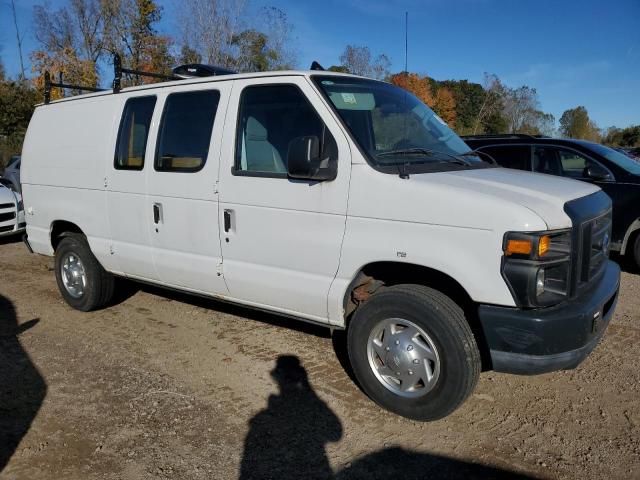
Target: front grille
[[595, 239], [6, 205], [7, 216], [6, 229]]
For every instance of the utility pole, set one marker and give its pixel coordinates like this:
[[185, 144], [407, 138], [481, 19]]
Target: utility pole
[[15, 22]]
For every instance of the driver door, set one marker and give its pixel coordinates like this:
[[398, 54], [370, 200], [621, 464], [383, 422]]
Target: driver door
[[281, 238]]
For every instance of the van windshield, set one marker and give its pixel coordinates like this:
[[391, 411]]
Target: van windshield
[[392, 127]]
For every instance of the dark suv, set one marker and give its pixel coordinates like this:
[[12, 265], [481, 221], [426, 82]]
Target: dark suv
[[617, 174]]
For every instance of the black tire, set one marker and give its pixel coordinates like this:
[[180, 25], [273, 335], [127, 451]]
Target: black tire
[[445, 324], [99, 287]]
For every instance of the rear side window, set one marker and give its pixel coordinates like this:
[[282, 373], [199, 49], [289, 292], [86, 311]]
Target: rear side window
[[271, 117], [185, 131], [510, 156], [133, 133]]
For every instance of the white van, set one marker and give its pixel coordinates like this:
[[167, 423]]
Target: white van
[[332, 199]]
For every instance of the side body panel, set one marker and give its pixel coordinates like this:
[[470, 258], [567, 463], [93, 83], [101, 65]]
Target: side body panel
[[66, 149]]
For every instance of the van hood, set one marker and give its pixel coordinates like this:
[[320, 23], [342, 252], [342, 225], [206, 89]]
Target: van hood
[[543, 194]]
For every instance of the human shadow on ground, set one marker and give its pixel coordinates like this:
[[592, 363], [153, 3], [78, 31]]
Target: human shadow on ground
[[287, 440], [22, 388]]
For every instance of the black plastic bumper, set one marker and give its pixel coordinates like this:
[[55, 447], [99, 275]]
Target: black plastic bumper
[[529, 342]]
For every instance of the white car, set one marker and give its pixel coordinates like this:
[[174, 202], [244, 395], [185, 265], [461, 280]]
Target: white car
[[11, 212], [332, 199]]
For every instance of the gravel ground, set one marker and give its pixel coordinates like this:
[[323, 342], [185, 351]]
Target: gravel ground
[[163, 385]]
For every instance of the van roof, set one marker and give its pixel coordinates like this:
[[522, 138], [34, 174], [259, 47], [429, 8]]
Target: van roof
[[210, 79]]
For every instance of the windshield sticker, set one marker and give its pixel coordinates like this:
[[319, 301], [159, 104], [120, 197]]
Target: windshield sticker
[[349, 98], [439, 119]]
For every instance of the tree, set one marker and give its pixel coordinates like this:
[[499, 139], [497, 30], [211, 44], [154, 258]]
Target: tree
[[17, 99], [74, 32], [130, 31], [278, 30], [254, 55], [623, 137], [189, 55], [209, 26], [489, 117], [575, 123], [415, 84], [445, 106], [358, 61]]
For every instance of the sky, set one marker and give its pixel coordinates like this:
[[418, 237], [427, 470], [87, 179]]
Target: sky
[[574, 52]]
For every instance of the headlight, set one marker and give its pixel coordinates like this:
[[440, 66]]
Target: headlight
[[536, 266]]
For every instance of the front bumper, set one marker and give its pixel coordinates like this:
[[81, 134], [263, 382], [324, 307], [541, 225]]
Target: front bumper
[[13, 225], [529, 342]]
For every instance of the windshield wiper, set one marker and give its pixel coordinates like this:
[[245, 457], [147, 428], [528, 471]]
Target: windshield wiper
[[427, 152], [477, 153]]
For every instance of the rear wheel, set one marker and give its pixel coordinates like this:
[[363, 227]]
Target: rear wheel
[[413, 352], [82, 281]]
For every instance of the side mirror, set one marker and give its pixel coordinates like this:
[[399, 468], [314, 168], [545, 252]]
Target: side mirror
[[597, 172], [304, 160]]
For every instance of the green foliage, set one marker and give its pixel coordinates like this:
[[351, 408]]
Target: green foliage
[[468, 101], [16, 106], [189, 55], [575, 123], [623, 137], [254, 54]]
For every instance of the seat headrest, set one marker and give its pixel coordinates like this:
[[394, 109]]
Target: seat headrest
[[255, 130]]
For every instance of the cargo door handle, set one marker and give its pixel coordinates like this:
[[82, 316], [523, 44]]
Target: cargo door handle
[[157, 213], [227, 220]]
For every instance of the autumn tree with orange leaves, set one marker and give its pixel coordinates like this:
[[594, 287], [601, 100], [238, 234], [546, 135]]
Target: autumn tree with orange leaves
[[415, 84], [442, 102]]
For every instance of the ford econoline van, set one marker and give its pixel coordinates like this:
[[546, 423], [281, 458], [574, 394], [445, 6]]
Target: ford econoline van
[[332, 199]]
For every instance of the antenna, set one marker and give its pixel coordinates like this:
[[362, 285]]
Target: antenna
[[406, 41]]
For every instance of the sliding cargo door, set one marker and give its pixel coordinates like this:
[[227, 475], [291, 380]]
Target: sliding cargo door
[[182, 203]]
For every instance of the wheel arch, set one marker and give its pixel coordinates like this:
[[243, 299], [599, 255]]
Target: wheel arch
[[629, 235], [380, 274], [61, 229]]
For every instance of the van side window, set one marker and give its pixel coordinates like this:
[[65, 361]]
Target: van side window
[[270, 117], [133, 133], [185, 131]]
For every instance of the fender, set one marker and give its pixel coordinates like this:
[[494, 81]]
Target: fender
[[635, 225]]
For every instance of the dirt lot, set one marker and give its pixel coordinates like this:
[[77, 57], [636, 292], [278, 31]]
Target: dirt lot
[[167, 386]]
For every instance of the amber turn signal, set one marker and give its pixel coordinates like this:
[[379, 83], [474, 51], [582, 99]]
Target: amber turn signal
[[518, 247], [543, 245]]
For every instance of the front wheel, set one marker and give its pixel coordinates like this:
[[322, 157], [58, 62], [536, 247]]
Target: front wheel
[[82, 281], [413, 352]]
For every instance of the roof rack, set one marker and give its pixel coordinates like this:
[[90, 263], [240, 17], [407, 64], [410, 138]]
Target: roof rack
[[48, 84], [504, 135], [118, 71], [179, 73]]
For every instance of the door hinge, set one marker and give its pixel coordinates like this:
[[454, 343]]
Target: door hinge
[[219, 269], [106, 183], [111, 250], [215, 188]]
